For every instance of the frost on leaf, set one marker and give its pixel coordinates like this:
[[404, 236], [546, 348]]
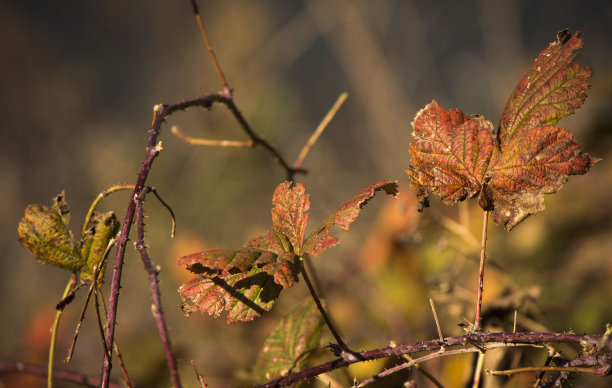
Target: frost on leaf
[[44, 232], [459, 157], [288, 348], [344, 216]]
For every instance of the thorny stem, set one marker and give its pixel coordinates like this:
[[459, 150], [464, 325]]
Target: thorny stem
[[59, 374], [343, 347], [483, 248], [467, 341], [156, 308], [161, 112], [126, 378], [198, 374], [71, 283]]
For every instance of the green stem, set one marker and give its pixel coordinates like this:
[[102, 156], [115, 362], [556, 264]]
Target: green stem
[[103, 194], [56, 322]]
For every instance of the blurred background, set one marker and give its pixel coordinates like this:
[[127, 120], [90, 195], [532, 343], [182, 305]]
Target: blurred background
[[78, 84]]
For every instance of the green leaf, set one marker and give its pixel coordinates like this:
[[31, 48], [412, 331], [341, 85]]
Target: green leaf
[[289, 347], [44, 232], [344, 216], [104, 226], [290, 213]]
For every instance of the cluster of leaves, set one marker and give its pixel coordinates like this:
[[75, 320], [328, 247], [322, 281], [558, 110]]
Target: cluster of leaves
[[44, 232], [247, 281], [457, 156]]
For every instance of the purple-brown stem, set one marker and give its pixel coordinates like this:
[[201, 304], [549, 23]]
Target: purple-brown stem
[[161, 112], [156, 308], [471, 339], [59, 374], [483, 256]]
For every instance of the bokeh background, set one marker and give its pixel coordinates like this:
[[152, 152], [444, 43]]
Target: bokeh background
[[78, 84]]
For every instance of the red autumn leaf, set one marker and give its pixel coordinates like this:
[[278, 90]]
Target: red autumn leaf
[[247, 281], [459, 157], [344, 216], [245, 295], [551, 90], [290, 213]]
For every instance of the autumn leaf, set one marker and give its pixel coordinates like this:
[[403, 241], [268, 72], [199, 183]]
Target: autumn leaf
[[344, 216], [290, 213], [94, 242], [44, 232], [247, 281], [289, 347], [457, 157]]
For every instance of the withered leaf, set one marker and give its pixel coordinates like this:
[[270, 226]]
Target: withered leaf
[[103, 227], [44, 232], [459, 157], [344, 216]]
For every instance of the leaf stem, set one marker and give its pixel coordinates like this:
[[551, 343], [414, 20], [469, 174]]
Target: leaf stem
[[103, 194], [341, 344], [483, 247], [71, 283]]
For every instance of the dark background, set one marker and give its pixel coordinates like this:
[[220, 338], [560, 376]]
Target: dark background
[[78, 84]]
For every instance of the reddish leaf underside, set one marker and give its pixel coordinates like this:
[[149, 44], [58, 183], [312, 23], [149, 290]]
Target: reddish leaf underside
[[244, 282], [288, 348], [344, 216], [458, 157]]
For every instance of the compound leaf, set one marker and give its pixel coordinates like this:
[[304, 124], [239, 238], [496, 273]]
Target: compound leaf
[[288, 348], [344, 216], [458, 157], [44, 232]]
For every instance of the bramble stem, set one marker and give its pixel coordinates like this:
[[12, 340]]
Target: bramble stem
[[60, 374], [156, 307], [534, 369], [326, 318], [483, 248], [58, 315]]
